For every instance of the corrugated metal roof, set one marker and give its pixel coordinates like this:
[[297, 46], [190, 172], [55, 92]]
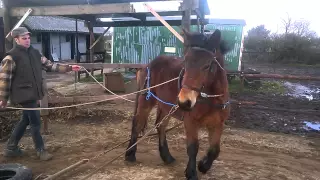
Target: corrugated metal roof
[[57, 24]]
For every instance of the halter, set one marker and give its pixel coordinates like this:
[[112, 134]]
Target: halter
[[211, 69], [199, 90]]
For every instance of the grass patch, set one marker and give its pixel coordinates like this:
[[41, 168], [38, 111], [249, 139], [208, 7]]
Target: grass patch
[[274, 87]]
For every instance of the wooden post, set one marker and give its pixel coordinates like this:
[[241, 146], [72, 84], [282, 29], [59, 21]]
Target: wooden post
[[44, 103], [77, 74], [7, 25], [90, 27], [186, 20]]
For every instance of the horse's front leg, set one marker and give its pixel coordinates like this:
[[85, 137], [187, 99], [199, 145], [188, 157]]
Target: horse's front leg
[[192, 149], [163, 144], [215, 132]]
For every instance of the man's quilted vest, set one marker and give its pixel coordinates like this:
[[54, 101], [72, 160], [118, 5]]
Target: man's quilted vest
[[27, 79]]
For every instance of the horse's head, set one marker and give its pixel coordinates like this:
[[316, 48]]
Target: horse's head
[[201, 63]]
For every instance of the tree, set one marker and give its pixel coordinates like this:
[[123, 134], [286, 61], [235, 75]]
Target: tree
[[257, 39]]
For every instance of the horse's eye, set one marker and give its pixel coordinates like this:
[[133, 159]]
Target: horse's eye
[[206, 67]]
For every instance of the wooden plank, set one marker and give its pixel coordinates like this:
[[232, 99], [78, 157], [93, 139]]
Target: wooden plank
[[7, 25], [164, 22], [186, 21], [74, 9], [100, 37], [147, 14], [142, 23], [295, 111], [279, 76], [26, 14]]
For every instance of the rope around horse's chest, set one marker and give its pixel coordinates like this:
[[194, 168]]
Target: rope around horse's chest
[[202, 94]]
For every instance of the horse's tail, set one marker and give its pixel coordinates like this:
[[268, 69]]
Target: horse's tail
[[137, 94], [141, 76]]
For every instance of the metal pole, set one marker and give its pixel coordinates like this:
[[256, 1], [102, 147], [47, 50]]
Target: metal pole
[[20, 21]]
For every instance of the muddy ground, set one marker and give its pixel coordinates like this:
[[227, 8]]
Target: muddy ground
[[256, 144]]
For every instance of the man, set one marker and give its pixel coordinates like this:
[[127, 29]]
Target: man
[[21, 81]]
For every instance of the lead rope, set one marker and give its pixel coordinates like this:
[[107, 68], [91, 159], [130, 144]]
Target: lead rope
[[94, 102]]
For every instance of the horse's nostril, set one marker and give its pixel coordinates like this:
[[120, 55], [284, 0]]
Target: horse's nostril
[[186, 105]]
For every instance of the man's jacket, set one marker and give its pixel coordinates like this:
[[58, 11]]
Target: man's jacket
[[21, 74]]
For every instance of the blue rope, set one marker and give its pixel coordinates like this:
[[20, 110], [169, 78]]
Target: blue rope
[[149, 93]]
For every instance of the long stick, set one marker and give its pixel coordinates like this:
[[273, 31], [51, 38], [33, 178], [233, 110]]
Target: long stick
[[51, 177], [164, 22], [104, 32], [20, 21], [279, 76]]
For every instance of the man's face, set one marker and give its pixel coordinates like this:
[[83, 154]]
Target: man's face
[[23, 40]]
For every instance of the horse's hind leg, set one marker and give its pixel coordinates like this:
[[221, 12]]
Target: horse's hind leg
[[215, 133], [139, 122], [163, 144]]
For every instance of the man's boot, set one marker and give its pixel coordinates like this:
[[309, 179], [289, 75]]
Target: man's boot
[[44, 155], [17, 152], [12, 149]]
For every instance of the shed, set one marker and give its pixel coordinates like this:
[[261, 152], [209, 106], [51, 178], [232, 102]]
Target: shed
[[142, 44], [56, 36]]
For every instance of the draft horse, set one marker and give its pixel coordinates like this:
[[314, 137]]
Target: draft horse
[[201, 73]]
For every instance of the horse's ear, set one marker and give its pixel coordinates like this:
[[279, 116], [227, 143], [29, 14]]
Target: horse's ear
[[214, 40]]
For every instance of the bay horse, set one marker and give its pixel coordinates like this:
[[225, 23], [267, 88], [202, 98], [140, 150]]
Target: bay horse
[[201, 73]]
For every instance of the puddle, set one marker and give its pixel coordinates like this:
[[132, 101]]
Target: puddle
[[312, 125], [300, 91]]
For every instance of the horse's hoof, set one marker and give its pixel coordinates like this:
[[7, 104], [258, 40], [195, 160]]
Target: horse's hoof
[[169, 160], [193, 178], [131, 158], [191, 175], [203, 166]]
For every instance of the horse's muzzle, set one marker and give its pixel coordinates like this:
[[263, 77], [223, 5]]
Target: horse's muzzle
[[187, 99]]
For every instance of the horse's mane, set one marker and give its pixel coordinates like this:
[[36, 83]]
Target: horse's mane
[[201, 40]]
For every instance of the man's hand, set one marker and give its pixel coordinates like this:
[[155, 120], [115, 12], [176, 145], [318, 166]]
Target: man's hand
[[3, 104], [76, 68]]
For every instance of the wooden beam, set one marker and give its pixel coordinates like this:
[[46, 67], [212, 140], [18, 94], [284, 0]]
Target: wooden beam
[[90, 27], [186, 22], [26, 14], [147, 14], [140, 23], [279, 76], [74, 9], [7, 24], [101, 36], [174, 32]]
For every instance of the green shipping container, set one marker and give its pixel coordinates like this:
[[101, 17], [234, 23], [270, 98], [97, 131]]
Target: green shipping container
[[139, 45]]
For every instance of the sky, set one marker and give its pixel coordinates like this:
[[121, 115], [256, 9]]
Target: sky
[[255, 12]]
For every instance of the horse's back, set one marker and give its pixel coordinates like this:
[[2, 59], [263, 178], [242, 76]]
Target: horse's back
[[161, 68], [166, 64]]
